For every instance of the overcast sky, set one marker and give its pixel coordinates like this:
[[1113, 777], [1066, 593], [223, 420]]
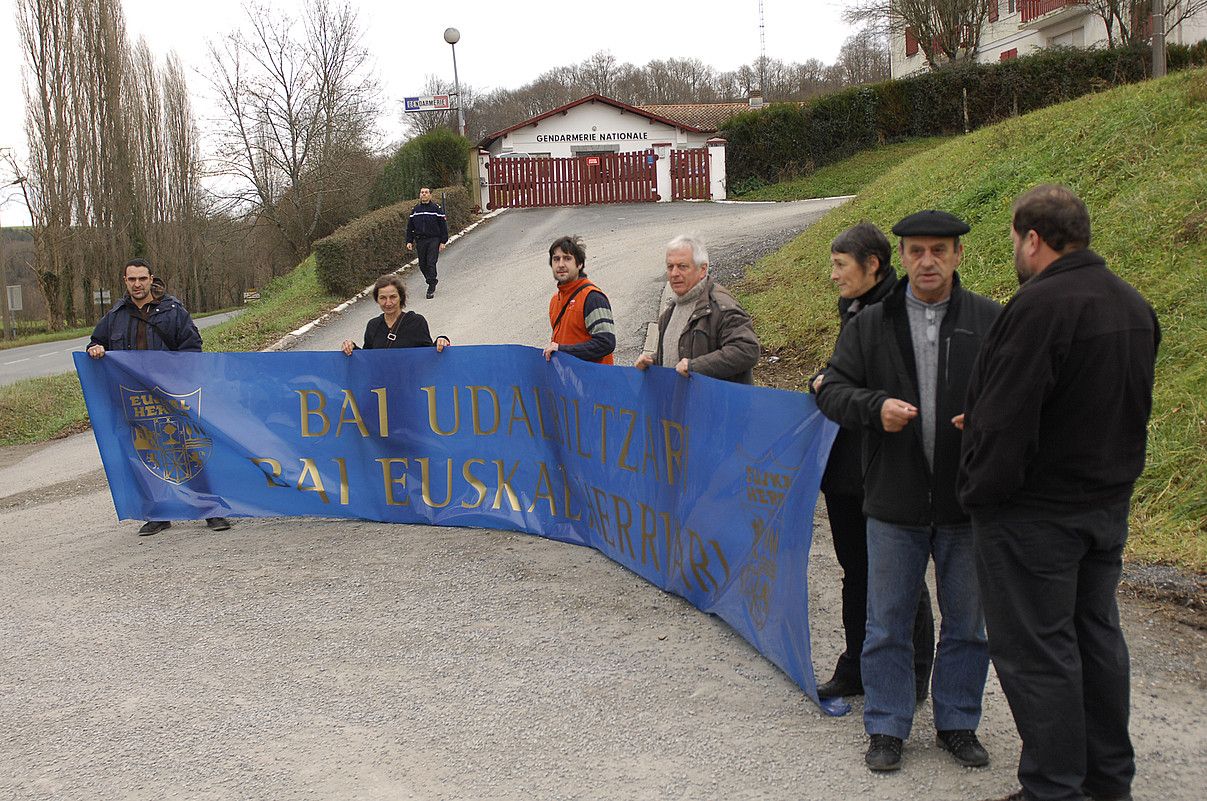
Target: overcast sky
[[503, 44]]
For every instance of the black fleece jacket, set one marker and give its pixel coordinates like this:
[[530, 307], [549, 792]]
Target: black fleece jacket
[[874, 361], [1059, 400]]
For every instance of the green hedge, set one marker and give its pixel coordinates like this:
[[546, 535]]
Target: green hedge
[[787, 140], [437, 158], [375, 243]]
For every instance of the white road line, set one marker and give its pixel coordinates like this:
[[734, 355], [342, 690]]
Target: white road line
[[18, 361], [52, 353]]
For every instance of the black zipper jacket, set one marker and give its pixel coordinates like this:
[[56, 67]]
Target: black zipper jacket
[[874, 361], [1059, 400]]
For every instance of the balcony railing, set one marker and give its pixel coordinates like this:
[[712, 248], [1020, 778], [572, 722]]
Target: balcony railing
[[1032, 9]]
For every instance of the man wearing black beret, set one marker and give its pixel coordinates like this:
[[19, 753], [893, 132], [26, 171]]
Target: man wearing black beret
[[900, 372]]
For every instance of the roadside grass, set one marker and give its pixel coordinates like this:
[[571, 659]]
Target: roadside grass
[[847, 177], [38, 409], [1135, 155]]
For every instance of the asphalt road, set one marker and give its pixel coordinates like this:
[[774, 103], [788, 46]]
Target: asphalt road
[[52, 358], [332, 660]]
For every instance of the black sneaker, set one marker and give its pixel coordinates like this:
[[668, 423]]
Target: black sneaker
[[839, 686], [884, 753], [1017, 795], [217, 523], [153, 527], [964, 746], [431, 292]]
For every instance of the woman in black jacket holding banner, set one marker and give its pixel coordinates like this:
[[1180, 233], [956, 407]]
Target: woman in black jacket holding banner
[[395, 327], [861, 268]]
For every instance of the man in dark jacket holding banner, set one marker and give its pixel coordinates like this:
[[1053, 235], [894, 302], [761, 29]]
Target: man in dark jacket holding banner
[[900, 372], [147, 320], [1058, 408], [427, 234]]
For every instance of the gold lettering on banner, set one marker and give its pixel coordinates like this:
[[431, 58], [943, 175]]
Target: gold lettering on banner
[[343, 481], [474, 482], [540, 417], [311, 470], [623, 523], [304, 396], [350, 404], [601, 515], [676, 454], [476, 411], [274, 477], [517, 399], [578, 431], [433, 420], [383, 412], [698, 558], [603, 430], [649, 535], [628, 441], [543, 480], [425, 482], [566, 495], [387, 476], [513, 500]]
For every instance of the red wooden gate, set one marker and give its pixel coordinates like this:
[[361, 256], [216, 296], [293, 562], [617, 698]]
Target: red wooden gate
[[689, 174], [578, 181]]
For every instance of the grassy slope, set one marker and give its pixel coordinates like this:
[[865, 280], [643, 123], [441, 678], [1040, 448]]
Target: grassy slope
[[846, 177], [38, 409], [1136, 156]]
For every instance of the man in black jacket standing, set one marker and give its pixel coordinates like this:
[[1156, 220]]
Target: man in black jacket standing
[[142, 321], [900, 372], [1057, 418], [427, 233]]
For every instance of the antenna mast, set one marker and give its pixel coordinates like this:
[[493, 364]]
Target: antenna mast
[[762, 53]]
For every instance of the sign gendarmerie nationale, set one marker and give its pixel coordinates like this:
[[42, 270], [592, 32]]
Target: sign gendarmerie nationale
[[594, 136]]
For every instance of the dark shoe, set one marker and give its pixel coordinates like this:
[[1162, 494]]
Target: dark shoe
[[920, 693], [217, 523], [839, 686], [153, 527], [1123, 797], [964, 747], [431, 292], [884, 753], [1017, 795]]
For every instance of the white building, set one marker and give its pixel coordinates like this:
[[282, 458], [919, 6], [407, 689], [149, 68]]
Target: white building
[[600, 150], [1020, 27]]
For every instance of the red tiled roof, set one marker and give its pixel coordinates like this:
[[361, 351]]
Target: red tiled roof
[[704, 116]]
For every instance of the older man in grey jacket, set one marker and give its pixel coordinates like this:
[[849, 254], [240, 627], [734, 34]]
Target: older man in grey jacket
[[704, 330]]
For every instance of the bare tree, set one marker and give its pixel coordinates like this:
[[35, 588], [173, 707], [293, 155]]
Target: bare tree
[[294, 104], [1127, 21], [864, 58], [946, 30]]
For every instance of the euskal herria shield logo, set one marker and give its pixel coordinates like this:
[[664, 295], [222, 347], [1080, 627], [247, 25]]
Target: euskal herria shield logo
[[167, 433]]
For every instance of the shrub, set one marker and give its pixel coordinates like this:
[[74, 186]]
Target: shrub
[[434, 159], [369, 246], [787, 140]]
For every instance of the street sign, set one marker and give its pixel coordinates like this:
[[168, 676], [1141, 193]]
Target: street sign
[[101, 296], [427, 103], [14, 297], [251, 295], [592, 161]]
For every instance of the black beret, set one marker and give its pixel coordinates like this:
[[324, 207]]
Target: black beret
[[931, 223]]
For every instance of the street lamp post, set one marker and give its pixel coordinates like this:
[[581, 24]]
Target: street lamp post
[[452, 36]]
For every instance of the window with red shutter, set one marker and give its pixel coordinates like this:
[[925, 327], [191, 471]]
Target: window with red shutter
[[911, 42], [993, 10], [1009, 54]]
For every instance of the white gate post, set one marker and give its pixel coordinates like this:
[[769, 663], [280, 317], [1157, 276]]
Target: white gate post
[[662, 170], [483, 181], [716, 169]]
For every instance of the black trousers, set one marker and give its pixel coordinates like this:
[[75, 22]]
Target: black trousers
[[1048, 584], [848, 528], [428, 250]]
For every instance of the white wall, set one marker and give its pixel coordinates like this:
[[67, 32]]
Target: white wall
[[593, 128]]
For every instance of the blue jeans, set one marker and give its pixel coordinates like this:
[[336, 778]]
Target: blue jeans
[[897, 558]]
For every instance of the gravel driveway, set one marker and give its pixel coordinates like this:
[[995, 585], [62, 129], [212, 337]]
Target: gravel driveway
[[322, 659]]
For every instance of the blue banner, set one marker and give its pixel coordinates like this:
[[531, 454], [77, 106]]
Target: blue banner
[[702, 487]]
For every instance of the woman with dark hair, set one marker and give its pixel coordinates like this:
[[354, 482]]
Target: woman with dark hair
[[395, 327], [861, 268]]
